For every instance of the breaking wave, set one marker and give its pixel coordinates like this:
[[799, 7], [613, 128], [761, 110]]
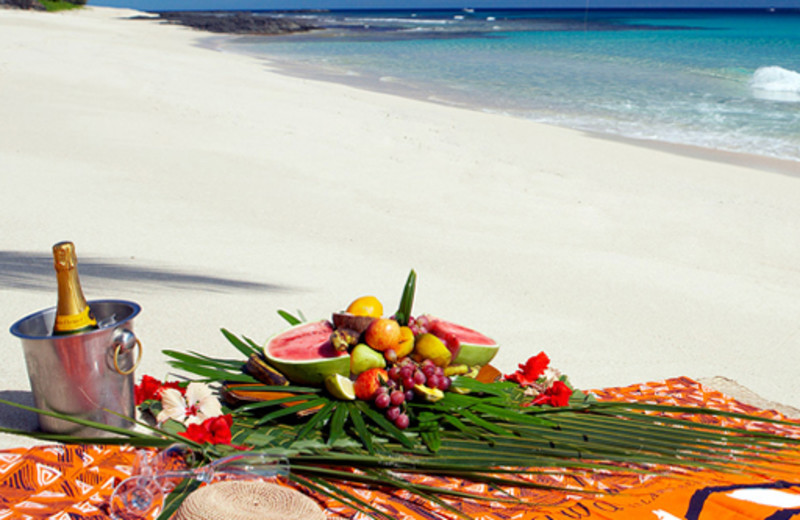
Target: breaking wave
[[776, 83]]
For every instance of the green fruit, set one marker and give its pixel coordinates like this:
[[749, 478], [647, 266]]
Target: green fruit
[[340, 387], [362, 358]]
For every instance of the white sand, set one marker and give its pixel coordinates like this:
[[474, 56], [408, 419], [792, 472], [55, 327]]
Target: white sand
[[624, 263]]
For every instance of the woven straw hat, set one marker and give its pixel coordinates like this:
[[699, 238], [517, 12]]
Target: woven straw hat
[[248, 500]]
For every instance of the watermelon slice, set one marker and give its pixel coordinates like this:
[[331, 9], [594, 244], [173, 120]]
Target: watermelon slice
[[469, 347], [305, 355]]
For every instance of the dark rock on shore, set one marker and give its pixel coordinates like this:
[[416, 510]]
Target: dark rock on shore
[[22, 4], [235, 22]]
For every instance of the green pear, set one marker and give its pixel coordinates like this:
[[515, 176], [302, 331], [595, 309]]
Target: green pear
[[362, 358]]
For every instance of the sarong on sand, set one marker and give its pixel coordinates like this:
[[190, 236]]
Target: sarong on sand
[[74, 482]]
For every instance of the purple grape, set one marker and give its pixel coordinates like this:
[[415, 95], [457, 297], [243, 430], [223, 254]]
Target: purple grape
[[428, 363], [410, 395], [429, 370], [419, 378], [402, 421], [382, 401], [407, 371], [434, 381], [444, 383], [394, 373], [393, 413], [397, 397], [408, 382]]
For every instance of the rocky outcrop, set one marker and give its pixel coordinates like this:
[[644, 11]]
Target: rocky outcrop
[[22, 4], [235, 22]]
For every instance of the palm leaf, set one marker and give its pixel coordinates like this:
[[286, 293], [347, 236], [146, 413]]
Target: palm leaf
[[246, 349], [173, 501], [361, 428], [201, 360], [289, 318], [407, 299]]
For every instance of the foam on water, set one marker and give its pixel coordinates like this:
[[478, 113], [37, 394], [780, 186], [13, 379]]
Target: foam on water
[[776, 83], [694, 78]]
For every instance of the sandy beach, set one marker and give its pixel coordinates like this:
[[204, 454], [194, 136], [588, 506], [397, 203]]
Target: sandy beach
[[214, 191]]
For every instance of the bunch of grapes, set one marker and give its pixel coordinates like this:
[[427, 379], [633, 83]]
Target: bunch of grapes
[[419, 325], [391, 398], [392, 401], [407, 373]]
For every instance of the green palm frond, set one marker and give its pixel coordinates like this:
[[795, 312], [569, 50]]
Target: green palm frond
[[478, 432]]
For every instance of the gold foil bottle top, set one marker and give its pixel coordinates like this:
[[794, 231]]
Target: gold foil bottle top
[[73, 314], [64, 256]]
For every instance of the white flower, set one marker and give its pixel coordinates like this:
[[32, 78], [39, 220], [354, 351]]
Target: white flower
[[199, 405], [551, 375]]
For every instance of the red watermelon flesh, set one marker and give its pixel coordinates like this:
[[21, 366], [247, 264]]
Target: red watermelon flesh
[[305, 355], [467, 346], [311, 341]]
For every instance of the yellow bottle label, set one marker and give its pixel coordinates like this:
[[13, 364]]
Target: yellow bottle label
[[75, 321]]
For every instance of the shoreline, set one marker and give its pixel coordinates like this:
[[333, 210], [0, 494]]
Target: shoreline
[[304, 71], [214, 191]]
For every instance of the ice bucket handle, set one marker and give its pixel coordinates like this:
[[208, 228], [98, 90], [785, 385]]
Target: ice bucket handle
[[124, 341]]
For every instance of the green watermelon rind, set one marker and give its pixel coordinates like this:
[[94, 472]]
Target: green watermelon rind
[[471, 354], [310, 371]]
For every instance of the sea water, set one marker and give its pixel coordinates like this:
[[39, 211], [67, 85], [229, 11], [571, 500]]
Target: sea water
[[726, 80]]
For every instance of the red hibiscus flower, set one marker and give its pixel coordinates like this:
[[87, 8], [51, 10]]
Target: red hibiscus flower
[[150, 389], [214, 430], [532, 370], [557, 395]]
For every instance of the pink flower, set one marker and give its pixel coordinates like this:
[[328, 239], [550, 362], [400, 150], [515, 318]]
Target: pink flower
[[529, 372]]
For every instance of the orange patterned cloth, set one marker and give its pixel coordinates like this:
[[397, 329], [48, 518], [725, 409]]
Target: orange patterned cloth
[[61, 482], [75, 482]]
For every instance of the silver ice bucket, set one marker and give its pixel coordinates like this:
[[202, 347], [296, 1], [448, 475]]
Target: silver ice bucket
[[88, 375]]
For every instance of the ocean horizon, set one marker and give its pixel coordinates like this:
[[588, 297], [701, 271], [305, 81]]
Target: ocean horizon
[[724, 80]]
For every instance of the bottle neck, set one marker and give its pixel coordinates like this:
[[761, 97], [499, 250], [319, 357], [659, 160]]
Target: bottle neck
[[70, 296], [72, 312]]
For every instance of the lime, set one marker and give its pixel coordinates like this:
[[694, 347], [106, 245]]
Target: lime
[[340, 387]]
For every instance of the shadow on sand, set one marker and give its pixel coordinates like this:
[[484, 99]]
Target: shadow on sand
[[17, 418], [29, 271]]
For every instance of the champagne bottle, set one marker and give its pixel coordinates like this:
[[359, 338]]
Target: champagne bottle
[[73, 314]]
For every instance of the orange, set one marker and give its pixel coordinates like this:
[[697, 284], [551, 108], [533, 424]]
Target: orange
[[383, 334], [366, 306]]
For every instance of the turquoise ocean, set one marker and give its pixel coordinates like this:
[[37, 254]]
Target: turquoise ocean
[[726, 80]]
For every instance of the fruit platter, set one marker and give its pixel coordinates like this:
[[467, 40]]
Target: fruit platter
[[387, 361], [361, 375], [388, 400]]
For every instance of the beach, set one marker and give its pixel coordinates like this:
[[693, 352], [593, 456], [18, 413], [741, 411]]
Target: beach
[[214, 191]]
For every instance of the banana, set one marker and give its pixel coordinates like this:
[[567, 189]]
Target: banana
[[257, 367]]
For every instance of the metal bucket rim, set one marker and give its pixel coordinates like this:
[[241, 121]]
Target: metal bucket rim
[[135, 310]]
